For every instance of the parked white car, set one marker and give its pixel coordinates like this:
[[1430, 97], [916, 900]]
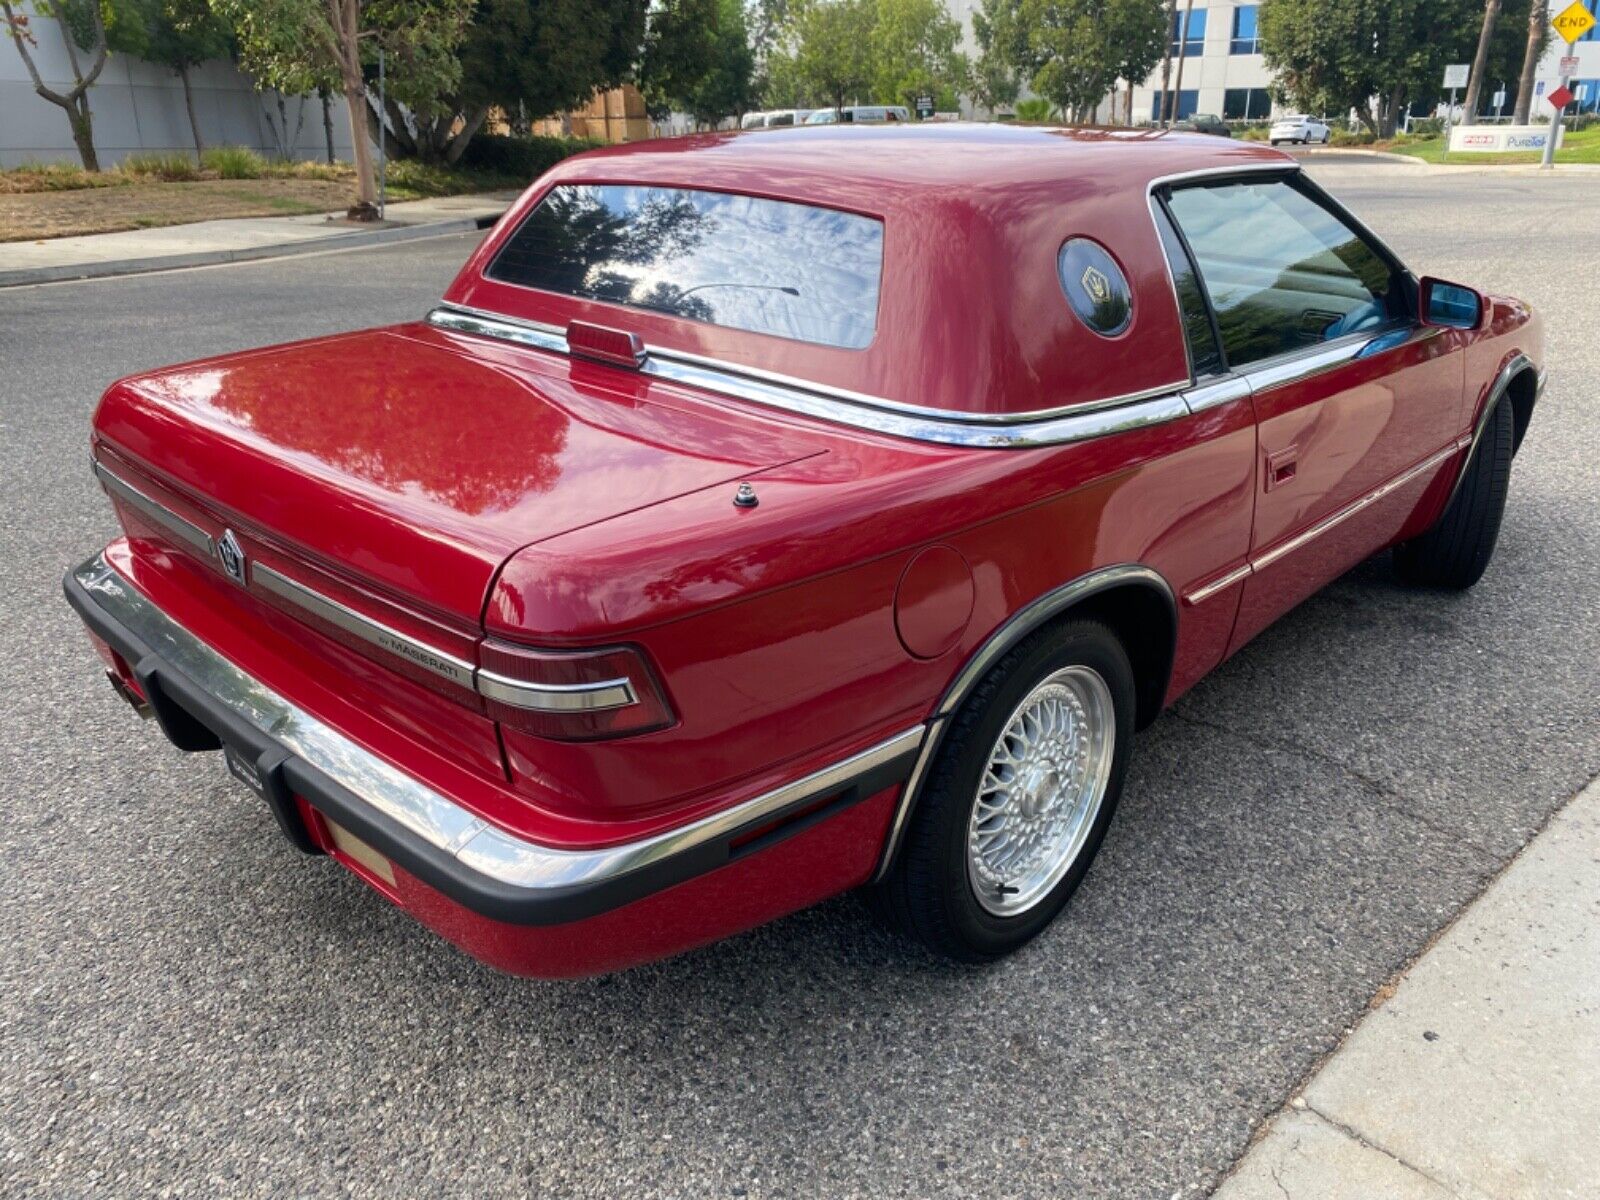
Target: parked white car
[[1300, 129], [774, 118]]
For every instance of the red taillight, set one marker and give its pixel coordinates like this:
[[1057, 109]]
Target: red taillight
[[572, 696]]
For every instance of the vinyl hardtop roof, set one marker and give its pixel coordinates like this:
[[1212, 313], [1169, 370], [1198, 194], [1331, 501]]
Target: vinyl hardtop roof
[[972, 317], [824, 159]]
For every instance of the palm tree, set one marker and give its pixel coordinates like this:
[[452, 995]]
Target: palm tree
[[1480, 60], [1537, 17]]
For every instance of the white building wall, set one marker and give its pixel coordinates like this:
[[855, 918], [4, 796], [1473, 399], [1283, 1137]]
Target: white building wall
[[1212, 74], [139, 106]]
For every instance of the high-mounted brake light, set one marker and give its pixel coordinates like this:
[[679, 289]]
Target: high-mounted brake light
[[614, 346], [571, 696]]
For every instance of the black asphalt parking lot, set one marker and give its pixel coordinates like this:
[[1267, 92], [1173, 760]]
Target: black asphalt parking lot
[[190, 1007]]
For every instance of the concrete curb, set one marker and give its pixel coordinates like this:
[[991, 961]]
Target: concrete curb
[[206, 258]]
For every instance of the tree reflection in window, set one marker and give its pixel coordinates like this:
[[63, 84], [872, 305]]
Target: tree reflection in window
[[768, 266]]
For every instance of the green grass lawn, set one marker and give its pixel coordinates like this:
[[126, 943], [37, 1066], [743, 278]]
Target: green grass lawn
[[1581, 147]]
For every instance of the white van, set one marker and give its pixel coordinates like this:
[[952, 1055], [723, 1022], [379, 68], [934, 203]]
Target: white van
[[774, 118], [861, 114]]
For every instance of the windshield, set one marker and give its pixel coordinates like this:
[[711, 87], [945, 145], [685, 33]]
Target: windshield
[[767, 266]]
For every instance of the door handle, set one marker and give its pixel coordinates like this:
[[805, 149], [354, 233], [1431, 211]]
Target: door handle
[[1281, 466]]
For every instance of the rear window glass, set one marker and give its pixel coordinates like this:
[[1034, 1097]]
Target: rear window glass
[[767, 266]]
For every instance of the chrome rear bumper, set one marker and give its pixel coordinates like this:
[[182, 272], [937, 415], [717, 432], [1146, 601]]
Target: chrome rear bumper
[[203, 702]]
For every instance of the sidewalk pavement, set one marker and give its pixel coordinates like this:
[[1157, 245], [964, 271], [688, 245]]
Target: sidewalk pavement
[[1479, 1077], [203, 243]]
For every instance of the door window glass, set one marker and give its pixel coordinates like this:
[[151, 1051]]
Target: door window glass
[[1283, 273], [1204, 357]]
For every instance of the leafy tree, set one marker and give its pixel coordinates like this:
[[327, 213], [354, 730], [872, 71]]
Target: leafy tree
[[180, 34], [832, 42], [82, 25], [1335, 55], [681, 46], [913, 49], [994, 73], [729, 87], [1138, 38], [1072, 44], [299, 44]]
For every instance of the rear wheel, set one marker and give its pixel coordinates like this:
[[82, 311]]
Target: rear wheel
[[1018, 797], [1456, 551]]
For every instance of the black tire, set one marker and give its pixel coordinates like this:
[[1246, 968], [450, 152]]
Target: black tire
[[928, 893], [1456, 551]]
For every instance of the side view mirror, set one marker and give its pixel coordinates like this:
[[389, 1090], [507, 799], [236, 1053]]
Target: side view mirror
[[1449, 304]]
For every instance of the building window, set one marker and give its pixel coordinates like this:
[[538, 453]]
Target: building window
[[1246, 104], [1245, 39], [1594, 30], [1193, 42], [1188, 102]]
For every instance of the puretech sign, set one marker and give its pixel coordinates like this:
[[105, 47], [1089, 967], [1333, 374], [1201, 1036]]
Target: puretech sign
[[1494, 139]]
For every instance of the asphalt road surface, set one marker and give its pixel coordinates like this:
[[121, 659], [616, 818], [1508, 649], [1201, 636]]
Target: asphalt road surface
[[189, 1007]]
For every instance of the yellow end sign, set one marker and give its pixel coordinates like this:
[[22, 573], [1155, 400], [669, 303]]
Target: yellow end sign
[[1573, 21]]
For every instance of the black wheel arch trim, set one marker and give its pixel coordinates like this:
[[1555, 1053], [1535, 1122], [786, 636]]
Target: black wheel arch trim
[[1515, 366], [1038, 613]]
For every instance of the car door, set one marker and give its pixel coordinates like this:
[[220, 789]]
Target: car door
[[1357, 405]]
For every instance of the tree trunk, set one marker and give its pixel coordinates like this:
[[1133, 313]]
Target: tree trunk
[[1164, 112], [347, 31], [82, 122], [75, 100], [1480, 60], [1389, 113], [469, 130], [1530, 60], [1183, 46], [327, 120], [188, 103], [1127, 108]]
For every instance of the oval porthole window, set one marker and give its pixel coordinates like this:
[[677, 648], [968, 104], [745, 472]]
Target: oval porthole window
[[1095, 286]]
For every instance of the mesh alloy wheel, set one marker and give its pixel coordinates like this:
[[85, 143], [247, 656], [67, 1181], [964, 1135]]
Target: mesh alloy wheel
[[1040, 791]]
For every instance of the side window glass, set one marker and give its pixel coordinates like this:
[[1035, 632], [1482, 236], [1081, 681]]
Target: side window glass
[[1283, 273], [1204, 357]]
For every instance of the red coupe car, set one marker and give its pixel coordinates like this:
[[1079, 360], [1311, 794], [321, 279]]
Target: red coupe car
[[763, 517]]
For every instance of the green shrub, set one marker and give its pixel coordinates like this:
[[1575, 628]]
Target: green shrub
[[169, 166], [1033, 110], [234, 162], [1344, 137], [1432, 127], [54, 177], [523, 159]]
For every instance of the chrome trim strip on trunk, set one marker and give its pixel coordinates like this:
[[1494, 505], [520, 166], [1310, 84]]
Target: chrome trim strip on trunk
[[557, 697], [179, 527], [359, 625], [537, 697], [1047, 427], [488, 850]]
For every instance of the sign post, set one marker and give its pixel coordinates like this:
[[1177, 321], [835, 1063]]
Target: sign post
[[924, 106], [1455, 76], [1571, 23]]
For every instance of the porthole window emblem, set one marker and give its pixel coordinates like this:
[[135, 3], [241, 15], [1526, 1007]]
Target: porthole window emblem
[[1095, 287]]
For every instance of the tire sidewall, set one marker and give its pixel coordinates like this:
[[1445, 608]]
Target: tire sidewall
[[1081, 644]]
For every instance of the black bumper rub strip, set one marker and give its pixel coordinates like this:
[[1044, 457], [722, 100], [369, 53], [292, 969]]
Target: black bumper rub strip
[[207, 702]]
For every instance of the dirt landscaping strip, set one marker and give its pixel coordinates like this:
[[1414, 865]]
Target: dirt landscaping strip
[[39, 215]]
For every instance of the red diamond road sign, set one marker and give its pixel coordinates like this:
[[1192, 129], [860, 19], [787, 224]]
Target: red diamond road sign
[[1560, 98]]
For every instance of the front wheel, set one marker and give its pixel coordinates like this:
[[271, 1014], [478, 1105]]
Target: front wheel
[[1018, 797], [1456, 551]]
